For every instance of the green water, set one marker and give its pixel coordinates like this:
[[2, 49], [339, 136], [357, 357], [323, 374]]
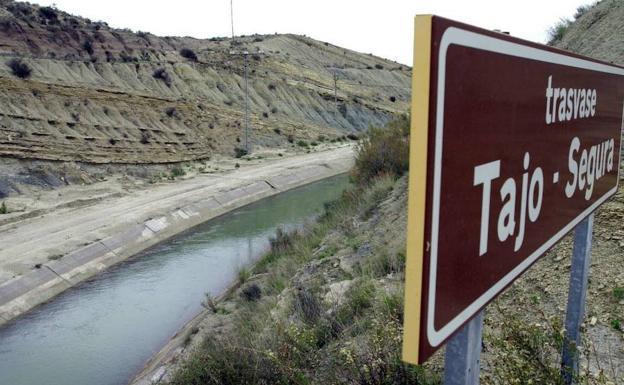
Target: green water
[[103, 331]]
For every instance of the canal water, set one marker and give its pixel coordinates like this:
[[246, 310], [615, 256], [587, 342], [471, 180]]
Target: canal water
[[102, 331]]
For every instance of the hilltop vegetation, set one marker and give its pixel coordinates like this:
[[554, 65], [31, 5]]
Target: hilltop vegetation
[[597, 31]]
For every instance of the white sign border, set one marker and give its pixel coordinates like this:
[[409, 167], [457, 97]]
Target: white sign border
[[454, 35]]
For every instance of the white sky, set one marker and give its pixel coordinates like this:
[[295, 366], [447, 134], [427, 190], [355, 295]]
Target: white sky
[[383, 28]]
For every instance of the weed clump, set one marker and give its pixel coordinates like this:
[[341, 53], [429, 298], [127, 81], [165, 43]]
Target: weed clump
[[557, 32], [251, 292], [239, 152], [177, 172], [19, 68], [88, 46], [282, 241], [144, 138], [581, 10], [383, 151], [618, 293], [48, 13], [243, 275], [162, 74], [188, 54]]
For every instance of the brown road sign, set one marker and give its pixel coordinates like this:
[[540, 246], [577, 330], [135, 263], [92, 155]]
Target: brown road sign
[[513, 144]]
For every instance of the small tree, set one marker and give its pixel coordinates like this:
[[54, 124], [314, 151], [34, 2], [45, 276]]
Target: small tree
[[19, 68], [188, 53], [162, 74], [3, 208], [49, 13], [88, 46], [556, 32], [383, 151]]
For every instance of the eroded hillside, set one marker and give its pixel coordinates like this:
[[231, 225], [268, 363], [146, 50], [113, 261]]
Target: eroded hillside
[[598, 31], [101, 95]]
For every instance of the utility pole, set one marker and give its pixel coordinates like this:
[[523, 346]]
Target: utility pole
[[246, 60], [245, 55], [232, 16], [335, 95], [334, 71]]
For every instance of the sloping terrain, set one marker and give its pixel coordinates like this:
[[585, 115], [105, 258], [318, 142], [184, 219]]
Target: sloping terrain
[[101, 95], [598, 31]]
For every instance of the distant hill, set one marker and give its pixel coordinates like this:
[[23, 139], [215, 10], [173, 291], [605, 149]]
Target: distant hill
[[104, 95]]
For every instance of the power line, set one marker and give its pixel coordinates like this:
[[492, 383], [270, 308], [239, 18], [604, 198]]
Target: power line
[[245, 55]]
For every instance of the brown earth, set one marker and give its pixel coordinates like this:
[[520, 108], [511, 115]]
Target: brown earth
[[93, 96]]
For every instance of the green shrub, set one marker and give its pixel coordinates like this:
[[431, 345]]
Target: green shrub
[[239, 152], [581, 10], [307, 305], [243, 275], [378, 361], [251, 292], [19, 68], [49, 13], [171, 111], [188, 53], [556, 32], [302, 143], [162, 74], [383, 151], [3, 208], [232, 361], [88, 46], [282, 241], [177, 172], [526, 350], [618, 293]]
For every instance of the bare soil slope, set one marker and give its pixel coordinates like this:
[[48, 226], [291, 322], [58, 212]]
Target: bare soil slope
[[102, 95], [598, 31]]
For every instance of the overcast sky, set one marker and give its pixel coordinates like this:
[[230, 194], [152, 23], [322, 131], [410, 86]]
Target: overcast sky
[[381, 27]]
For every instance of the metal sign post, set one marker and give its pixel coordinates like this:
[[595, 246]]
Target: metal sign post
[[462, 360], [579, 271], [463, 351]]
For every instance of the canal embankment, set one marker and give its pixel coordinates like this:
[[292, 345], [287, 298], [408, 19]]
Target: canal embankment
[[124, 226]]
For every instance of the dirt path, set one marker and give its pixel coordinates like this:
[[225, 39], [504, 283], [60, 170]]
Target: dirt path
[[144, 217]]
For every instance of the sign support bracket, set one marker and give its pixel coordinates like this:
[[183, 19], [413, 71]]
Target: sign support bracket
[[463, 354], [579, 272]]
